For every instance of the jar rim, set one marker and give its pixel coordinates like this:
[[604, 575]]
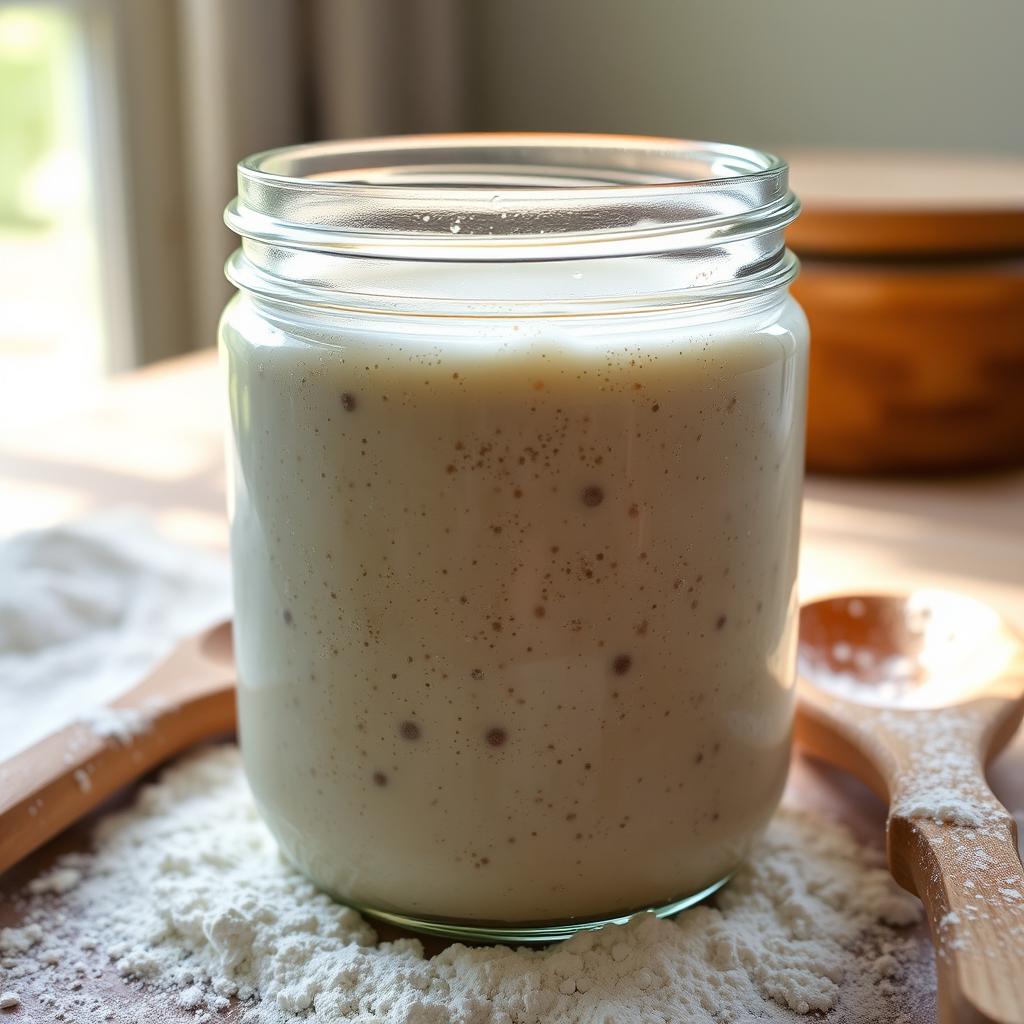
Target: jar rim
[[262, 165], [510, 196]]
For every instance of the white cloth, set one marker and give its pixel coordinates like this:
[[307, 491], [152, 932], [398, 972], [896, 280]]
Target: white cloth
[[86, 609]]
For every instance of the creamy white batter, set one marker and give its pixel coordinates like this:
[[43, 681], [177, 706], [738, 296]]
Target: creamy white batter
[[514, 609]]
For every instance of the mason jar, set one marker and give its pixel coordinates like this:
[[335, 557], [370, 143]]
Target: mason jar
[[515, 463]]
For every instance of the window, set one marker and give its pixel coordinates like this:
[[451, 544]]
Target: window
[[121, 122], [51, 333]]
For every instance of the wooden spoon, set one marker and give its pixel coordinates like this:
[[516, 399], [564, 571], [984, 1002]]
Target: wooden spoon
[[915, 695], [184, 700]]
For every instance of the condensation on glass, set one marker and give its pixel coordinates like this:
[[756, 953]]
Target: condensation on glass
[[516, 454]]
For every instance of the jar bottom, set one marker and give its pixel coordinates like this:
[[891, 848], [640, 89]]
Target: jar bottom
[[538, 933]]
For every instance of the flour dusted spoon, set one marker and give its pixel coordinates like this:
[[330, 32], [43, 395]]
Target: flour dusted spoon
[[915, 695], [184, 700]]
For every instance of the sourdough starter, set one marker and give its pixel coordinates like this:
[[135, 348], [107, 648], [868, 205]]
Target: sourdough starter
[[515, 609]]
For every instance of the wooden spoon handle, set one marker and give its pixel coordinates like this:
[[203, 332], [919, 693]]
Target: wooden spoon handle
[[972, 885], [53, 783]]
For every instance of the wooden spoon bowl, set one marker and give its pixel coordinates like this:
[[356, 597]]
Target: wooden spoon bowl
[[915, 695]]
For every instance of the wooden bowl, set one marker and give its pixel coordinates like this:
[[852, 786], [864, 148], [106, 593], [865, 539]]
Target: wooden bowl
[[913, 282]]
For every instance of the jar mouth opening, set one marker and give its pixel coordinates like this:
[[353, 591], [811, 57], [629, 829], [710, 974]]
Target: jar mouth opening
[[457, 165], [509, 196]]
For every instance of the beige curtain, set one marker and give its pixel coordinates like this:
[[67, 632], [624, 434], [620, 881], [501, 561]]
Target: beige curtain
[[202, 83]]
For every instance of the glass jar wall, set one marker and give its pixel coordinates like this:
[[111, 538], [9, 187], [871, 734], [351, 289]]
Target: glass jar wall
[[517, 446]]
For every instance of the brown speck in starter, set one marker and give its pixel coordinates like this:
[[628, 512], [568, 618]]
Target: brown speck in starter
[[540, 611], [496, 737], [380, 779], [699, 757], [409, 731], [477, 673], [592, 496], [655, 407], [641, 629], [449, 468], [622, 664], [720, 622], [634, 511], [348, 401], [463, 599], [287, 616]]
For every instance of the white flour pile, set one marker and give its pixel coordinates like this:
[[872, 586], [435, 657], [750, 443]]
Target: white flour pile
[[186, 894]]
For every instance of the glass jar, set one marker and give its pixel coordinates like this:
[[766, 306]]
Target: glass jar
[[515, 470]]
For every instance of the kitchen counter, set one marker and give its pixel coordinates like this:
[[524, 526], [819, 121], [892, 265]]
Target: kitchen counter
[[152, 439]]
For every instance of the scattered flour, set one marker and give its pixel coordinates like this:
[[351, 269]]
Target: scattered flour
[[61, 879], [9, 1000], [121, 724], [86, 609], [187, 895], [943, 781]]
